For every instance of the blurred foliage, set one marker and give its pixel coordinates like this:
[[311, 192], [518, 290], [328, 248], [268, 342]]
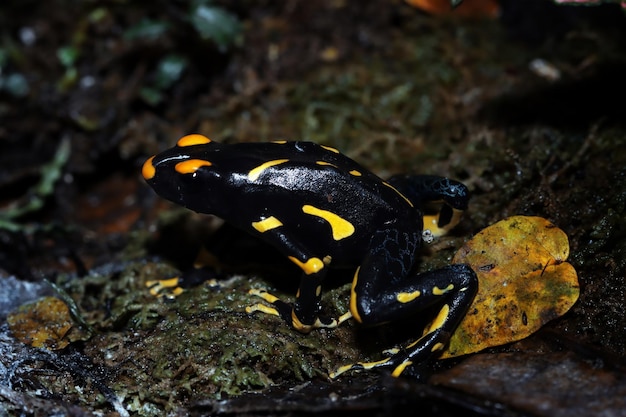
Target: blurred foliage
[[169, 71], [215, 23], [35, 197]]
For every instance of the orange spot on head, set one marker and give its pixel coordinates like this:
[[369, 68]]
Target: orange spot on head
[[191, 140], [191, 165], [148, 170]]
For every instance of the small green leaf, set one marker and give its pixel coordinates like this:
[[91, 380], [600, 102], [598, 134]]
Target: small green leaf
[[146, 29], [170, 70], [216, 24], [67, 55]]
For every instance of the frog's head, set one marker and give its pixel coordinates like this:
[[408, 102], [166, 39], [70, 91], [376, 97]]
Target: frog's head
[[183, 173]]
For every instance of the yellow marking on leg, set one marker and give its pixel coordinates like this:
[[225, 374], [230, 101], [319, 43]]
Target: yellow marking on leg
[[266, 224], [340, 227], [263, 309], [340, 370], [439, 321], [311, 266], [355, 173], [298, 325], [306, 328], [370, 365], [319, 325], [190, 166], [266, 296], [431, 222], [407, 297], [163, 283], [400, 368], [398, 192], [158, 288], [358, 365], [353, 307], [442, 291], [344, 317], [391, 351], [148, 169], [255, 173], [263, 294], [456, 218], [318, 291], [279, 142], [437, 346]]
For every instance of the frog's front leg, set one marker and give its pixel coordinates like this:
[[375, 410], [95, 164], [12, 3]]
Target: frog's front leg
[[382, 291], [303, 315]]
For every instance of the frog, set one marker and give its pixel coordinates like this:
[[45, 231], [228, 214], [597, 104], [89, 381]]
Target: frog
[[321, 209]]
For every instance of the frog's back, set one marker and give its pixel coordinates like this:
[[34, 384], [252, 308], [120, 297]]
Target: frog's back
[[305, 186], [305, 172]]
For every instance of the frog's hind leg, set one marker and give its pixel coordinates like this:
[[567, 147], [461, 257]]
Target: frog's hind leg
[[378, 296], [422, 189]]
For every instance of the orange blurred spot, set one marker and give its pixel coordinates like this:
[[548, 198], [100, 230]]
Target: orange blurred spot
[[469, 8]]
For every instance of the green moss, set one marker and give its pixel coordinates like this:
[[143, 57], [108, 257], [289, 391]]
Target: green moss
[[202, 343]]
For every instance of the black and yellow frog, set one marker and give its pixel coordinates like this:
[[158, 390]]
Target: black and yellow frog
[[320, 209]]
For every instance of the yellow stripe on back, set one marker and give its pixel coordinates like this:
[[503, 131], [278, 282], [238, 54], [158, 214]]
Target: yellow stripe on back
[[255, 173], [340, 227], [398, 192], [407, 297], [329, 148]]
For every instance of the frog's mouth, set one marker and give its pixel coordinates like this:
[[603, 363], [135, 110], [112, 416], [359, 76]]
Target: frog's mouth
[[158, 170]]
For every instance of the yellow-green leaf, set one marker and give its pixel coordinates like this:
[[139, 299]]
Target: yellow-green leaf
[[524, 282]]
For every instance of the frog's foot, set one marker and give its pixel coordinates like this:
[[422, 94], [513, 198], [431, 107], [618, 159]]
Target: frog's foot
[[414, 354], [397, 361], [278, 308], [167, 289], [286, 312], [170, 288]]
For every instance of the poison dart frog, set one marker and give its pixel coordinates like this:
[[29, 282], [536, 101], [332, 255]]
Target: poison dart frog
[[321, 209]]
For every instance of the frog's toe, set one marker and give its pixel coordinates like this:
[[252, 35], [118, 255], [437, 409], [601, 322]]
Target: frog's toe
[[360, 366], [397, 360], [276, 308], [263, 309], [167, 289]]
